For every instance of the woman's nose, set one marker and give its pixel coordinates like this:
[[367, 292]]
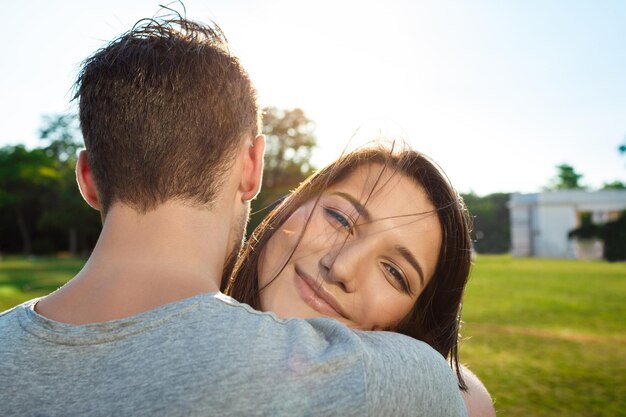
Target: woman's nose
[[340, 265]]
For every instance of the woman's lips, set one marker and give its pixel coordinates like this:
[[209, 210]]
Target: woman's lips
[[315, 296]]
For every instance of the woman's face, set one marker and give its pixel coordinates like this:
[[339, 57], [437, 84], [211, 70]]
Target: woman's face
[[367, 252]]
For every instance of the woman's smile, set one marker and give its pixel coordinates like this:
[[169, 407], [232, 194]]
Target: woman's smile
[[315, 295]]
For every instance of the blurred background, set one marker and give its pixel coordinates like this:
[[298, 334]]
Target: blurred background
[[523, 104]]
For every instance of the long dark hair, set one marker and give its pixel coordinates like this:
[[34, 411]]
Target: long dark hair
[[436, 316]]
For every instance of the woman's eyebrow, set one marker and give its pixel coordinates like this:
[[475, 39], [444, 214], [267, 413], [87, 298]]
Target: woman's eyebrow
[[360, 208], [365, 214], [406, 254]]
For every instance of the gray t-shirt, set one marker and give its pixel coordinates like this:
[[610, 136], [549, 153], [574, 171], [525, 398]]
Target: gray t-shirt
[[210, 355]]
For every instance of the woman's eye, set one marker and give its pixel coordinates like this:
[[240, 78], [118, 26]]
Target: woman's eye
[[343, 221], [397, 276]]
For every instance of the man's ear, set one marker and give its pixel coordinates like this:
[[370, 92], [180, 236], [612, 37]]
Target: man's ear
[[85, 181], [252, 173]]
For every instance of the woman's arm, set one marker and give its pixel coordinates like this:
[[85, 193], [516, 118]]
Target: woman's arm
[[477, 399]]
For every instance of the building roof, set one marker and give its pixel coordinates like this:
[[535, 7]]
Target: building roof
[[613, 198]]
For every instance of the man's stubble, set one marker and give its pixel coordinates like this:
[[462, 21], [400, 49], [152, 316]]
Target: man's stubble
[[238, 233]]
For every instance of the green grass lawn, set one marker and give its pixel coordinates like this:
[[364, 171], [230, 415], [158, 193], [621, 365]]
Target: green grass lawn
[[547, 337], [22, 279]]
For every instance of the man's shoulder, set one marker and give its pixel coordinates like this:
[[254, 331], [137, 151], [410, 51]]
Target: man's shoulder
[[10, 318], [408, 377], [13, 310], [218, 350], [378, 352], [395, 347]]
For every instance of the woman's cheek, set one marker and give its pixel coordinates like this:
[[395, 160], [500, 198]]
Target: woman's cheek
[[297, 223], [278, 248], [294, 225]]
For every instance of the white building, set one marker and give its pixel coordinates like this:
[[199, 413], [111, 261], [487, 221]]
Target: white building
[[540, 222]]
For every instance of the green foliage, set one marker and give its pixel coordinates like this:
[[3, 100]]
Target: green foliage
[[21, 169], [491, 230], [566, 179], [612, 233], [25, 180], [587, 229], [290, 143], [62, 132], [41, 210], [614, 185], [614, 236], [66, 212]]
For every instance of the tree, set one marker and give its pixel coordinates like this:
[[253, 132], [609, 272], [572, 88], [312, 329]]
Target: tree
[[586, 230], [63, 135], [25, 176], [66, 214], [491, 231], [614, 235], [614, 185], [566, 179], [39, 200], [65, 211], [290, 143]]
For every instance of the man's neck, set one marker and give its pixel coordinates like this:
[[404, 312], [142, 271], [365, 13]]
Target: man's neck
[[142, 261]]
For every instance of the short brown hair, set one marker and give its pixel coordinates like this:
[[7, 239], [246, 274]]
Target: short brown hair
[[436, 315], [162, 109]]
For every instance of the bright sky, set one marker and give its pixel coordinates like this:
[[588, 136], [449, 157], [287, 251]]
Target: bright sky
[[498, 93]]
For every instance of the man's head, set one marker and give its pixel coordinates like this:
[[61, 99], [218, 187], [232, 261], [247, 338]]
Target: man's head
[[164, 110]]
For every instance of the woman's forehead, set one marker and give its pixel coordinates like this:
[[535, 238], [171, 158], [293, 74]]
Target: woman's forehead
[[394, 209], [376, 185]]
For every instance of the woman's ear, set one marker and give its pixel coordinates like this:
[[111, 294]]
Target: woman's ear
[[85, 181], [252, 174]]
